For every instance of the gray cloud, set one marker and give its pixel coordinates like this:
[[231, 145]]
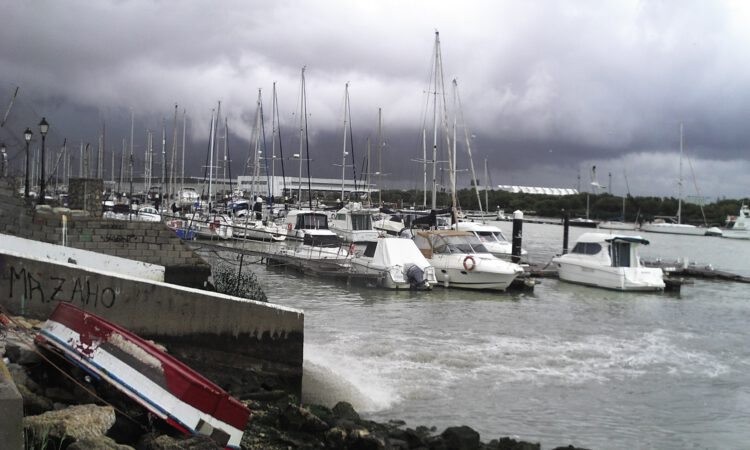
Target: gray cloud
[[547, 88]]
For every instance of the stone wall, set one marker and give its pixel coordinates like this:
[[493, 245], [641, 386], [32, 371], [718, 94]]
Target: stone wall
[[86, 194], [149, 242]]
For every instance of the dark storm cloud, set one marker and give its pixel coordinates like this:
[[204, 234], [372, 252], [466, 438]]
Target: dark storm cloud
[[548, 89]]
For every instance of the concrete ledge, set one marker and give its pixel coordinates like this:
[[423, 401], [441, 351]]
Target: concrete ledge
[[254, 341], [11, 407]]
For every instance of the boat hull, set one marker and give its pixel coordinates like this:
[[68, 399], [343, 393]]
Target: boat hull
[[489, 273], [161, 384], [616, 278], [673, 228]]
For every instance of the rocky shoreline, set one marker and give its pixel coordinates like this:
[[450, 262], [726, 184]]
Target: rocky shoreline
[[61, 413]]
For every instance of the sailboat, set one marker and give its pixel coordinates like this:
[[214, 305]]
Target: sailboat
[[667, 224], [618, 224], [741, 227]]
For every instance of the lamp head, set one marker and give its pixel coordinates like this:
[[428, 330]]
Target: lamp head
[[27, 134], [43, 127]]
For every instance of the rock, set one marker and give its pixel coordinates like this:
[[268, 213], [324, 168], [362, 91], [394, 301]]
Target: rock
[[411, 437], [75, 422], [298, 418], [344, 410], [153, 442], [20, 351], [98, 443], [569, 447], [60, 395], [507, 443], [336, 437], [461, 438], [361, 439], [33, 403], [20, 376]]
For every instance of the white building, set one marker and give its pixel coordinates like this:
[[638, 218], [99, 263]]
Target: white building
[[537, 190], [293, 188]]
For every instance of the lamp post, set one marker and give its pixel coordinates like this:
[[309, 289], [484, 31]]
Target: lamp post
[[5, 159], [27, 138], [43, 128]]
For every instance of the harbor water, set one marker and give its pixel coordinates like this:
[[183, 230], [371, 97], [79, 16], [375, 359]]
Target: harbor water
[[563, 365]]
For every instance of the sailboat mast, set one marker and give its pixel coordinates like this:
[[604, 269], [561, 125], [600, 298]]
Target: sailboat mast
[[369, 192], [434, 123], [302, 113], [273, 139], [182, 173], [173, 159], [424, 175], [380, 156], [486, 187], [467, 139], [343, 151], [211, 157], [679, 182]]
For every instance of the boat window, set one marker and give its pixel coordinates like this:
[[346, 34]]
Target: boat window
[[587, 248], [620, 254], [312, 221], [465, 244], [341, 217], [422, 242], [361, 222], [486, 236], [322, 241], [439, 245], [370, 249], [500, 237]]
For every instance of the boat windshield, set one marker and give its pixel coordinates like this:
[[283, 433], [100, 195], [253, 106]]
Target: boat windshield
[[587, 248], [312, 222], [491, 236], [458, 244]]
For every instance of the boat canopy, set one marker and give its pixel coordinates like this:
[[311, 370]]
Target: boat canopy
[[387, 252], [631, 239]]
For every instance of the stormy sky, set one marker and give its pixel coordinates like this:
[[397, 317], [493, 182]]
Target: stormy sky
[[547, 89]]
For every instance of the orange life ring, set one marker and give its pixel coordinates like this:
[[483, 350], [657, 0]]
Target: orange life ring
[[469, 267], [289, 226]]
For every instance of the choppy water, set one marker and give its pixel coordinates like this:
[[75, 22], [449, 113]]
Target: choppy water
[[563, 365]]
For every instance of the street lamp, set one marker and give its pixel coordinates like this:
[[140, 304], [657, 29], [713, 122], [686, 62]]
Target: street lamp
[[43, 128], [5, 159], [27, 138]]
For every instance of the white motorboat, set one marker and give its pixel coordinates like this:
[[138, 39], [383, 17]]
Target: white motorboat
[[259, 230], [148, 214], [491, 237], [660, 225], [187, 196], [352, 223], [617, 225], [399, 263], [308, 237], [741, 227], [460, 260], [609, 261], [388, 222], [214, 226]]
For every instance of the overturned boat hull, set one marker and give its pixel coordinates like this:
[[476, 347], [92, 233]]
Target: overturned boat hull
[[163, 385]]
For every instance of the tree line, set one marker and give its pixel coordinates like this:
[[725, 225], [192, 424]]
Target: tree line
[[601, 206]]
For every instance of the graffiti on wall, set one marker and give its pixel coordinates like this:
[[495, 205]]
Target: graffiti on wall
[[54, 288]]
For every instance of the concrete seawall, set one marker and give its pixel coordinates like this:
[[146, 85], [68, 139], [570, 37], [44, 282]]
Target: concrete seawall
[[234, 341]]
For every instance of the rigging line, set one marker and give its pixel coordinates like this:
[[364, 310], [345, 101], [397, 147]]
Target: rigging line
[[351, 142], [278, 130], [229, 162], [697, 190], [10, 105], [307, 146], [205, 172], [265, 158]]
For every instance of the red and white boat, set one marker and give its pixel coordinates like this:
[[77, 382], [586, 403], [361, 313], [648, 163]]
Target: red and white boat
[[163, 385]]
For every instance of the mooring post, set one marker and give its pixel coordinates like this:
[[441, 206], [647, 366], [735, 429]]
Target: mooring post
[[566, 226], [517, 236]]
